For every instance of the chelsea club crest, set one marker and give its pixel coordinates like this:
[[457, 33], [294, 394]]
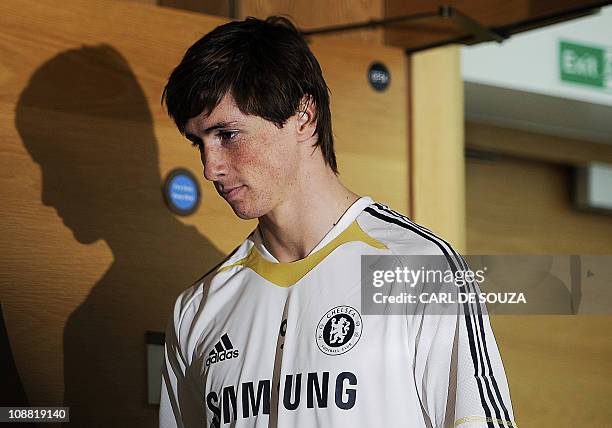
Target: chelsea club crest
[[339, 330]]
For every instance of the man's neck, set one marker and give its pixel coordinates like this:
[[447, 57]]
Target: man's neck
[[295, 227]]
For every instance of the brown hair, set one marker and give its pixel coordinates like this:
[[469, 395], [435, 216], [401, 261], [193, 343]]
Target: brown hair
[[266, 65]]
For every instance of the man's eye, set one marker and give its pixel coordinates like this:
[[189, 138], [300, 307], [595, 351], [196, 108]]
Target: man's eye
[[227, 135]]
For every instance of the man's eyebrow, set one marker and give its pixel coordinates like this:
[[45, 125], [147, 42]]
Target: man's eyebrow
[[217, 125]]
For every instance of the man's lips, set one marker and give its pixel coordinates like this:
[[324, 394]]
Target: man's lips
[[229, 193]]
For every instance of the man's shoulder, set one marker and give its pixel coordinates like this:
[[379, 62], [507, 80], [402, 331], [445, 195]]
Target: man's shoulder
[[399, 233], [196, 290]]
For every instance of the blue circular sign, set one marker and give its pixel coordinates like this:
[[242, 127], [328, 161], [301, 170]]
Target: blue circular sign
[[379, 76], [181, 192]]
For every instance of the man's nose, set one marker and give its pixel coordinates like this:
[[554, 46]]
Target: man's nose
[[214, 162]]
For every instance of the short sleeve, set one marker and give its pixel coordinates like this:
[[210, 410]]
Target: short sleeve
[[173, 375], [458, 368], [182, 400]]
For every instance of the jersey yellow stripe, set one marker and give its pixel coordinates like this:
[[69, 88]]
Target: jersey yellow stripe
[[287, 274]]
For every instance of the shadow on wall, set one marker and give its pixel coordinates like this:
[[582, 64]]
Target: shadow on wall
[[12, 393], [84, 118]]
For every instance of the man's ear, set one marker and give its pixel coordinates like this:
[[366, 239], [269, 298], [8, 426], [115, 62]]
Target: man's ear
[[306, 123]]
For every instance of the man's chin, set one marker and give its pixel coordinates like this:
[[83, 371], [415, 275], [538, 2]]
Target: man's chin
[[242, 213], [244, 216]]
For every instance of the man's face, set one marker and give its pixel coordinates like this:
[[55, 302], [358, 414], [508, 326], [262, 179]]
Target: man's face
[[252, 163]]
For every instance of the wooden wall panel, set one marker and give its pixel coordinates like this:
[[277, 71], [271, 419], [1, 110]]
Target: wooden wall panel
[[497, 14], [530, 145], [517, 206], [89, 256], [305, 14], [310, 14], [370, 127], [321, 13], [558, 366], [437, 143], [220, 8]]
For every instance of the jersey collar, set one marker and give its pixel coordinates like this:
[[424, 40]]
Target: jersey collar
[[347, 218], [286, 274]]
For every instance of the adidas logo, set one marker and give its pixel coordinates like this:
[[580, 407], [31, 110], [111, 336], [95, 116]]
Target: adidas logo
[[222, 351]]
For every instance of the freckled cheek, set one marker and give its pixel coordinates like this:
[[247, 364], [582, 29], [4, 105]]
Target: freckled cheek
[[244, 162], [264, 163], [253, 163], [247, 168]]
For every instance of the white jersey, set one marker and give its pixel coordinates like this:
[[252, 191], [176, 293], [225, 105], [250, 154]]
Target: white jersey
[[258, 343]]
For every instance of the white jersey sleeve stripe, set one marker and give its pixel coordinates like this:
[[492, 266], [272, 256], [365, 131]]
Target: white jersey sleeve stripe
[[391, 218], [384, 213], [480, 338], [480, 319]]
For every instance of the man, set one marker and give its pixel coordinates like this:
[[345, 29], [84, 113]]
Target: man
[[275, 335]]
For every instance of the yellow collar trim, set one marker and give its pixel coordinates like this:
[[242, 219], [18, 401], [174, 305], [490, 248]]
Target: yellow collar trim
[[287, 274]]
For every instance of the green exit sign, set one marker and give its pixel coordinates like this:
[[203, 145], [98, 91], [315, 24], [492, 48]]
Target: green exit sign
[[585, 65]]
